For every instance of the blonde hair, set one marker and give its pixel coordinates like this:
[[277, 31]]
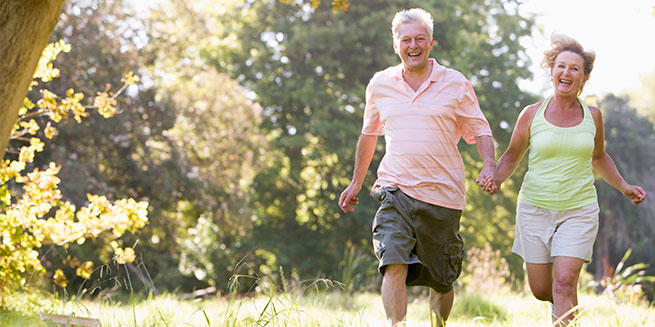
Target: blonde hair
[[409, 16], [560, 43]]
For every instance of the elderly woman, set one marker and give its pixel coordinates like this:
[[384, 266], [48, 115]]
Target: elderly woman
[[557, 209]]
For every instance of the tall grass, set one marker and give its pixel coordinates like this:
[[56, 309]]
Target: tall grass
[[323, 308], [482, 299]]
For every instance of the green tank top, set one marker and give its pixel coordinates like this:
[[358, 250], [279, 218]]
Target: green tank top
[[559, 173]]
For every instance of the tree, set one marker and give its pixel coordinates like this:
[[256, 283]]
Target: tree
[[631, 142], [26, 27], [643, 99]]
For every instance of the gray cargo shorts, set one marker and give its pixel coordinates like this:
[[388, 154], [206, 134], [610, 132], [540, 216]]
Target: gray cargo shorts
[[420, 235]]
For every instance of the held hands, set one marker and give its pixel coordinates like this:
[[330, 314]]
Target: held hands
[[348, 197], [635, 193], [487, 180]]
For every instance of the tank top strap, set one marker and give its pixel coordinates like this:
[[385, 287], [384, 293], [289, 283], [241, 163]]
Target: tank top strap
[[539, 116]]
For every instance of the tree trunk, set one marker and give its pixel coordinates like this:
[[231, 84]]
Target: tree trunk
[[25, 27]]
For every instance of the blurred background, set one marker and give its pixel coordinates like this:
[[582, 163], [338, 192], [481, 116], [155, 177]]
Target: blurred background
[[241, 132]]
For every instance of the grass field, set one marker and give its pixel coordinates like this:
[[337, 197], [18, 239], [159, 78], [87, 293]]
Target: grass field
[[319, 309]]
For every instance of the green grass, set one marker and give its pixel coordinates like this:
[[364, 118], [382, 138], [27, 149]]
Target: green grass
[[319, 309]]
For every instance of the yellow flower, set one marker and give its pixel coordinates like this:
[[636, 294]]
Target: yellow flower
[[85, 270], [60, 278]]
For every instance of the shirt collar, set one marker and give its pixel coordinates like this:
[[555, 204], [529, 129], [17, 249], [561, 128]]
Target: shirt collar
[[436, 75]]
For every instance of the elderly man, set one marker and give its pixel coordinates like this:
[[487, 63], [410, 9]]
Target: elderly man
[[422, 109]]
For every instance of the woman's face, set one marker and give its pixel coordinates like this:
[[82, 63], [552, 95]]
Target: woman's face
[[568, 73]]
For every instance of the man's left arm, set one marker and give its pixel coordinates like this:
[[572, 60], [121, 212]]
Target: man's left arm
[[485, 144]]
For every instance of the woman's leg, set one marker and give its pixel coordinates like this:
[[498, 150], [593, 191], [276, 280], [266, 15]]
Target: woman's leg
[[565, 287], [540, 278]]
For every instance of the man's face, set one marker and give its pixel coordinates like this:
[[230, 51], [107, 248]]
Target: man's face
[[413, 45]]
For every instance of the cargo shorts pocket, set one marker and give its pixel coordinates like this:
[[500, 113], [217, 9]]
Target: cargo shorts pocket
[[454, 252], [384, 196], [382, 221]]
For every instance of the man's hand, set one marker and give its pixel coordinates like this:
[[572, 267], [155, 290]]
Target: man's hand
[[348, 197]]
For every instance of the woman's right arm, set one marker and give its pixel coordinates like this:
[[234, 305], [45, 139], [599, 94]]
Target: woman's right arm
[[518, 145]]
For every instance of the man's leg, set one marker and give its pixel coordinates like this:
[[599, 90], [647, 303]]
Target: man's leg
[[440, 305], [565, 287], [394, 292]]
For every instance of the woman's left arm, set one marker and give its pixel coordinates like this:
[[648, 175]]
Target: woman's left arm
[[605, 167]]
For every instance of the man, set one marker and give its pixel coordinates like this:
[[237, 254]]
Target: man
[[423, 109]]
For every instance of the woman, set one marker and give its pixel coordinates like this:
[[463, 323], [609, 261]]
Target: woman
[[557, 209]]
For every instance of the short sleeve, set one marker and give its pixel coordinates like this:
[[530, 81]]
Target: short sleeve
[[372, 124], [471, 122]]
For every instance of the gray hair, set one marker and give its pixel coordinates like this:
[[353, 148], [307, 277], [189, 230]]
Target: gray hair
[[410, 16]]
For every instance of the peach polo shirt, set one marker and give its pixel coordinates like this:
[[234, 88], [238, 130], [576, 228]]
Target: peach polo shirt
[[421, 130]]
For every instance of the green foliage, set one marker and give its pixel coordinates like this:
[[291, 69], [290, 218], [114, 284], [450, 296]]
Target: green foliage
[[630, 141], [625, 283], [643, 99]]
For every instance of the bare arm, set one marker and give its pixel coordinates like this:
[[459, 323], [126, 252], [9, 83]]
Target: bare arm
[[487, 153], [605, 167], [365, 150], [518, 145]]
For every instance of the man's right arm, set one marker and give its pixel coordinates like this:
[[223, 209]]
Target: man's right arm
[[365, 150]]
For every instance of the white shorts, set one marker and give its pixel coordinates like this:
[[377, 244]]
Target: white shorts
[[542, 234]]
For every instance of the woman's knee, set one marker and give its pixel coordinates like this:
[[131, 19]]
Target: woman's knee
[[565, 283]]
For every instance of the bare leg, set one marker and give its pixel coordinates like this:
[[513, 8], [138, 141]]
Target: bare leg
[[394, 293], [540, 279], [440, 305], [565, 287]]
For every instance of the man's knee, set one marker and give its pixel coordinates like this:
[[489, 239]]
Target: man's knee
[[395, 272]]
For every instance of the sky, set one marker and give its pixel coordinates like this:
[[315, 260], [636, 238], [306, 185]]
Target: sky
[[622, 33]]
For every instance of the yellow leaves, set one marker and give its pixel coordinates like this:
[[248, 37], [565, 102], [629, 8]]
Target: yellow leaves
[[50, 131], [31, 127], [340, 5], [315, 3], [72, 103], [85, 270], [59, 278], [45, 70], [106, 104], [48, 102], [129, 78], [125, 255], [27, 152]]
